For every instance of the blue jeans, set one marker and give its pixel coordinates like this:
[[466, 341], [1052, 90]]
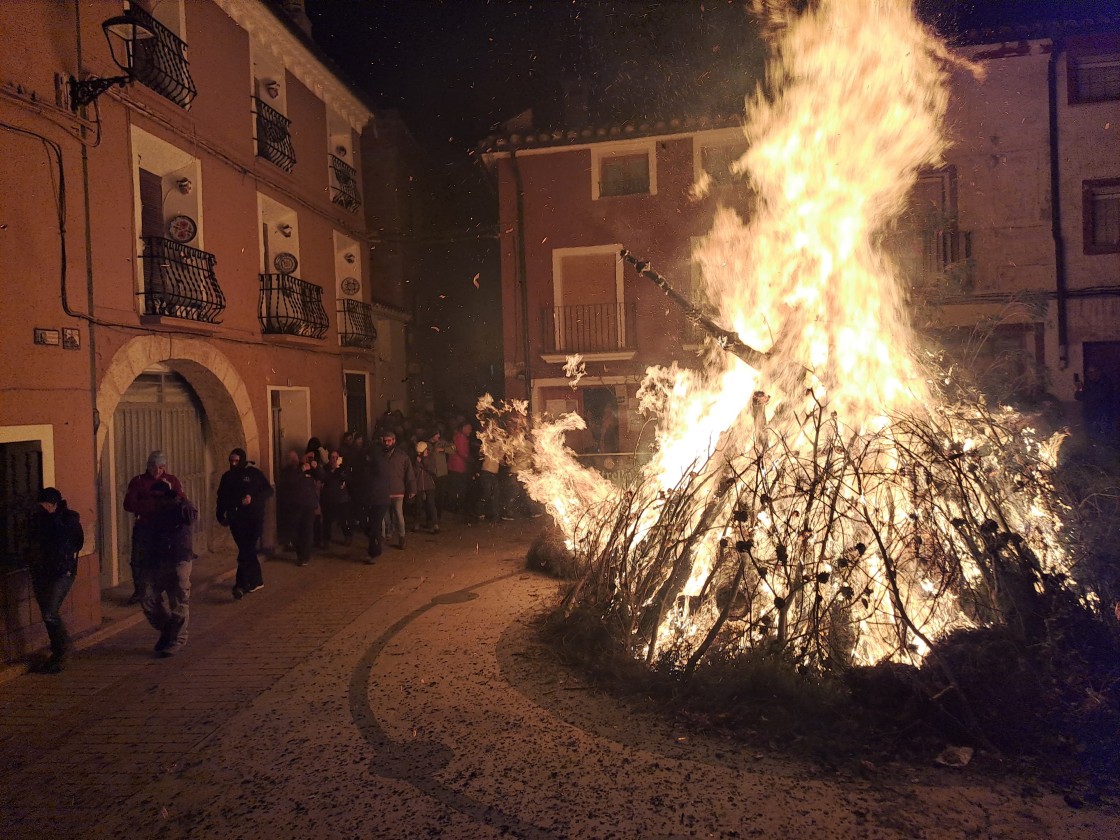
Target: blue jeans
[[50, 592]]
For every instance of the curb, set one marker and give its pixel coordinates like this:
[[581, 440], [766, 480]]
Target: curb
[[107, 631]]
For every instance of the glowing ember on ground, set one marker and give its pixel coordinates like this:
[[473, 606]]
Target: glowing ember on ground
[[853, 509]]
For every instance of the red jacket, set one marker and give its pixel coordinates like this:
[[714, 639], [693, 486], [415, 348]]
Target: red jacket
[[140, 499]]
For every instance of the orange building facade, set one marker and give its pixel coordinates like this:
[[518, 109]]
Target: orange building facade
[[186, 264]]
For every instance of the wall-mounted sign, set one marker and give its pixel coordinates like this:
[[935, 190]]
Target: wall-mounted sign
[[45, 336]]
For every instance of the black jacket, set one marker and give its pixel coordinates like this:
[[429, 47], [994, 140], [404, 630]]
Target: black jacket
[[235, 485], [56, 538]]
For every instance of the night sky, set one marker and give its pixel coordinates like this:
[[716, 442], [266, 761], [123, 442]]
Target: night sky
[[457, 68]]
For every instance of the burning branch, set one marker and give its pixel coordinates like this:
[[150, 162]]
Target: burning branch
[[727, 339]]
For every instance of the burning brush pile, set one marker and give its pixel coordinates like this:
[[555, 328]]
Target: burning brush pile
[[820, 491]]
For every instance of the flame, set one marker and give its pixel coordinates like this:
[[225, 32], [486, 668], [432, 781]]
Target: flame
[[833, 498]]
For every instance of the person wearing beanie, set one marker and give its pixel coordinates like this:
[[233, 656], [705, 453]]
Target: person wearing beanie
[[167, 562], [242, 495], [144, 497], [425, 503], [56, 537]]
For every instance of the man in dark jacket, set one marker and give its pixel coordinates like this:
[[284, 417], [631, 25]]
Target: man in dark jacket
[[297, 499], [56, 537], [397, 481], [167, 561], [242, 495]]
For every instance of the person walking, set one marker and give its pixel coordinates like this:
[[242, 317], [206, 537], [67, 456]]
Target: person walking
[[425, 471], [439, 449], [56, 537], [139, 500], [242, 496], [297, 499], [334, 499], [396, 471], [458, 470], [168, 559]]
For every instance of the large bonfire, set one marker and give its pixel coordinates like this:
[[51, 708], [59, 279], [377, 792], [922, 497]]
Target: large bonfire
[[836, 500]]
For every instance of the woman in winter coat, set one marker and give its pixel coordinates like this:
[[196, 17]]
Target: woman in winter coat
[[56, 537]]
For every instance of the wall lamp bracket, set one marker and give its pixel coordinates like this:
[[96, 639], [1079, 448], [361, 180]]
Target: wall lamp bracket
[[123, 33]]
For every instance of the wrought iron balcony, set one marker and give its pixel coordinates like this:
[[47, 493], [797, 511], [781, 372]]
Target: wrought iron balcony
[[344, 185], [179, 281], [355, 324], [274, 139], [161, 62], [589, 328], [290, 306]]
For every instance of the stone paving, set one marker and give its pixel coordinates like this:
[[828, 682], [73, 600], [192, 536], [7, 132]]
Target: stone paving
[[411, 699]]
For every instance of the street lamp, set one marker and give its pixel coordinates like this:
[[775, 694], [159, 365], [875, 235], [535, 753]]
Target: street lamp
[[122, 32]]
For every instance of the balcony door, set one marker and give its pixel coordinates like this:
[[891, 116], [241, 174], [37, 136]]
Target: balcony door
[[588, 315]]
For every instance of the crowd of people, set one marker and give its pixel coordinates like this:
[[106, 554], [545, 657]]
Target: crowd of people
[[408, 476]]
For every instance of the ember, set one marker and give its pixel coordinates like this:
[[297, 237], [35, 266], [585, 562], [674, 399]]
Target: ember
[[821, 490]]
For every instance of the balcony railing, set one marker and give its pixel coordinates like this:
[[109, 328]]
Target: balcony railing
[[179, 281], [589, 328], [290, 306], [160, 62], [355, 324], [274, 139], [344, 185]]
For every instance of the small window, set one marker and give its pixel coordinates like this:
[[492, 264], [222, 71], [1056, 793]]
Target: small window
[[1095, 78], [1101, 208], [624, 174], [717, 161]]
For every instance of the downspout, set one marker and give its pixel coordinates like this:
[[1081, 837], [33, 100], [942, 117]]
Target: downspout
[[91, 342], [1056, 51], [522, 272]]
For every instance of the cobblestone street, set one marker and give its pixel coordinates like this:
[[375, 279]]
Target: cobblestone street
[[410, 699]]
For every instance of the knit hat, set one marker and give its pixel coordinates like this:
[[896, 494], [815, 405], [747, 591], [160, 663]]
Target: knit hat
[[240, 453], [421, 447], [157, 459], [51, 495]]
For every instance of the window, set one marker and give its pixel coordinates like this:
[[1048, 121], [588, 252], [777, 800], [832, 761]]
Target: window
[[175, 276], [925, 243], [26, 466], [341, 166], [624, 175], [159, 61], [630, 170], [698, 296], [1094, 78], [1101, 210], [271, 126], [589, 315], [716, 161]]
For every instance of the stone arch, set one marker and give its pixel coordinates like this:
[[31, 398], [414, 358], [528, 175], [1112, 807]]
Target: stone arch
[[210, 373]]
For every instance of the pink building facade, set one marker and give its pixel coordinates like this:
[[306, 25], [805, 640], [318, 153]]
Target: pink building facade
[[186, 264]]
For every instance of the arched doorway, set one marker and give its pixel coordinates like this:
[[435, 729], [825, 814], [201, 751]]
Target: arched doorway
[[159, 410], [221, 398]]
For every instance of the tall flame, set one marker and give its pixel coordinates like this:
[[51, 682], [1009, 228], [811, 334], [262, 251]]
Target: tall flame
[[833, 484]]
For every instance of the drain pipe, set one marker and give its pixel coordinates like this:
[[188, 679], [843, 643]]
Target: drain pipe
[[522, 284], [102, 526], [1056, 50]]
